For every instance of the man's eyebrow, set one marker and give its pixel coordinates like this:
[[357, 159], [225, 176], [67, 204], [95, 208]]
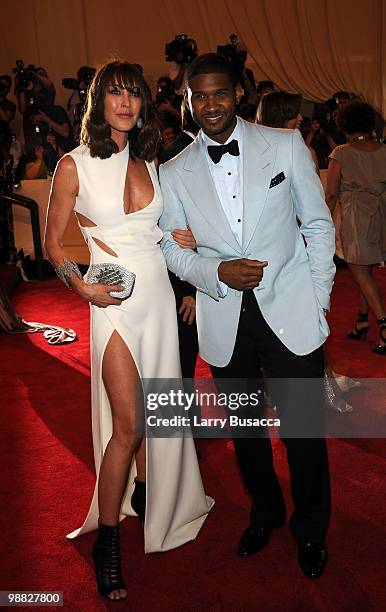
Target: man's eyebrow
[[199, 91]]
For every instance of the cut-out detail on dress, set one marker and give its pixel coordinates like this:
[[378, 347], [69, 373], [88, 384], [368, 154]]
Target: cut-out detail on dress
[[85, 221], [104, 247]]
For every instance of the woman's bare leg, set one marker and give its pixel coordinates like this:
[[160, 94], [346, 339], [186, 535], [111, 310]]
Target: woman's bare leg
[[363, 305], [363, 309], [363, 276], [122, 383]]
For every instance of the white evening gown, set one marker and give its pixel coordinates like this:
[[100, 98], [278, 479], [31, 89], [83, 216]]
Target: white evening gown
[[176, 502]]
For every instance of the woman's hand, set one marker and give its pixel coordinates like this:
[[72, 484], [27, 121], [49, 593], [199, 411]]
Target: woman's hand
[[97, 294], [188, 309], [184, 238]]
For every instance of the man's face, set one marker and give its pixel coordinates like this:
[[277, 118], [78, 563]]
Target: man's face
[[212, 102]]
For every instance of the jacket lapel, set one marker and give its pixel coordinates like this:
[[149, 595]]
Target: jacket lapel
[[258, 163], [198, 181]]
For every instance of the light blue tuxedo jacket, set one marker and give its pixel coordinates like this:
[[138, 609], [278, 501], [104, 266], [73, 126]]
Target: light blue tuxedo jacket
[[297, 282]]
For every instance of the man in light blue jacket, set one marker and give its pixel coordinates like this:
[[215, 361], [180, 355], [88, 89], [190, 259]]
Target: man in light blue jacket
[[264, 284]]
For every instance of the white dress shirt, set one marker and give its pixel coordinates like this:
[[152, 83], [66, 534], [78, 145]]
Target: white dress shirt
[[228, 179], [227, 176]]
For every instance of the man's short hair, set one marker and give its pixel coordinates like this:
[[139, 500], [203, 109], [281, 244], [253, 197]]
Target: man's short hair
[[6, 77], [211, 63]]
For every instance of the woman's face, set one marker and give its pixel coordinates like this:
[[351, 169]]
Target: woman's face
[[292, 124], [122, 107]]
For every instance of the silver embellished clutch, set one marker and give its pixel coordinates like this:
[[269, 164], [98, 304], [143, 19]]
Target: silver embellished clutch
[[112, 274]]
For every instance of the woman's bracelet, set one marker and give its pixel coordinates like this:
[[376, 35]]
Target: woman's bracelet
[[66, 270]]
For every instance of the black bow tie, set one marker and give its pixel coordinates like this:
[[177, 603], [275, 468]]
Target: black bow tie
[[216, 152]]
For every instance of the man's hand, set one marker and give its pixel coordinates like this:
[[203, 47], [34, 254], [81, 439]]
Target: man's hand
[[188, 309], [241, 274]]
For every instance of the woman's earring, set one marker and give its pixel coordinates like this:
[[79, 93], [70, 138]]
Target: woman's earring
[[139, 123]]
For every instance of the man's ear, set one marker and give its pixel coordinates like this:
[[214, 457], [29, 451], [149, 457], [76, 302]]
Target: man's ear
[[186, 101], [239, 92]]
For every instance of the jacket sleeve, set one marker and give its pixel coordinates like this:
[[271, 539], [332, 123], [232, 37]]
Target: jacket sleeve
[[316, 224], [199, 271]]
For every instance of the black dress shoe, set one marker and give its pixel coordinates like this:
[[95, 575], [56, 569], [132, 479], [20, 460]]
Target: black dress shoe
[[254, 539], [312, 559]]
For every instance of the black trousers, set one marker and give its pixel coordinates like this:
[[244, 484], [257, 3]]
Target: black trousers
[[257, 346], [188, 342]]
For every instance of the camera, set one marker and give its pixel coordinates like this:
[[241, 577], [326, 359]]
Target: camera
[[82, 83], [24, 75], [232, 53], [181, 50]]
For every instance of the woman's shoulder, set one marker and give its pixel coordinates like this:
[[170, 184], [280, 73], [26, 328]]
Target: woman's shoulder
[[342, 149], [338, 152], [79, 152]]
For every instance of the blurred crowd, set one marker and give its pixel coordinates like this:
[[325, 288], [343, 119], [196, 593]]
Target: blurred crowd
[[49, 130]]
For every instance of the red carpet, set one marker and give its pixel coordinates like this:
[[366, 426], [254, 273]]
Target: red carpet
[[47, 480]]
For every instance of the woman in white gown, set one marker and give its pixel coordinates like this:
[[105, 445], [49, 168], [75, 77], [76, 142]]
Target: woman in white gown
[[111, 182]]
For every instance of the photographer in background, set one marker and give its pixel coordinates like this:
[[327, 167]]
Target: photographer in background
[[34, 91], [180, 52], [32, 82], [41, 157], [236, 53], [323, 134], [53, 120], [76, 102], [7, 108], [166, 100]]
